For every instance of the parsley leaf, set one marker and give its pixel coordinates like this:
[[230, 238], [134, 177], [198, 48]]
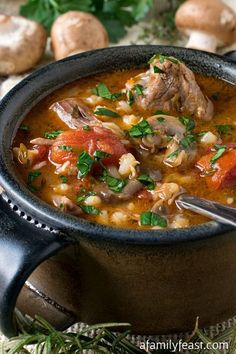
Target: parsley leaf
[[115, 184], [99, 154], [63, 179], [224, 128], [82, 197], [67, 148], [86, 127], [102, 111], [220, 150], [158, 70], [188, 122], [24, 127], [52, 135], [162, 58], [147, 181], [187, 141], [88, 209], [31, 178], [139, 89], [173, 154], [84, 164], [161, 112], [103, 91], [152, 219], [161, 119], [141, 129], [130, 97]]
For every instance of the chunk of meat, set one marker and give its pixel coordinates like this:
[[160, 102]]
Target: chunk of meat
[[223, 173], [74, 113], [69, 144], [65, 204], [170, 86], [132, 187]]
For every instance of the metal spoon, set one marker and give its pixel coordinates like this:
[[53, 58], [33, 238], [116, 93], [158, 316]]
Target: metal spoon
[[213, 210]]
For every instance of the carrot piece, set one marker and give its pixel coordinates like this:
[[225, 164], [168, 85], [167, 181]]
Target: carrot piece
[[223, 172]]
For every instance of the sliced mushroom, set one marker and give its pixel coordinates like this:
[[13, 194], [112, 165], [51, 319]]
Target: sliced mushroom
[[66, 205]]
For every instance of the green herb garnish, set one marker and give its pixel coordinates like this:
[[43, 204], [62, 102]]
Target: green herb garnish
[[86, 127], [63, 179], [130, 97], [102, 111], [215, 96], [187, 141], [162, 58], [139, 89], [103, 91], [158, 70], [67, 148], [158, 112], [152, 219], [82, 197], [31, 178], [24, 127], [147, 181], [53, 135], [188, 122], [84, 164], [115, 184], [224, 128], [173, 154], [90, 210], [161, 119], [99, 154], [141, 129], [220, 150]]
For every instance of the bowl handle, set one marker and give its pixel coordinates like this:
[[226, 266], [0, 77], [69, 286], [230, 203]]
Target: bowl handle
[[22, 248], [231, 55]]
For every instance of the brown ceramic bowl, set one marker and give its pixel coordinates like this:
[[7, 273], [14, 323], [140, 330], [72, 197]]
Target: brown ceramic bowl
[[159, 281]]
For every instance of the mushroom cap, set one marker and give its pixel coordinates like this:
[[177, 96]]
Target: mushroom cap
[[22, 44], [209, 16], [75, 32]]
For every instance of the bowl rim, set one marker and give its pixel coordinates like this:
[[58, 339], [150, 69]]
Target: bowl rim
[[81, 227]]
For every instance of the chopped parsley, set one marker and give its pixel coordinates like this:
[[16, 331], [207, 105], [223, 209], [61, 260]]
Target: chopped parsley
[[157, 70], [63, 179], [24, 128], [85, 194], [187, 141], [130, 97], [224, 128], [215, 96], [102, 111], [220, 150], [141, 129], [188, 122], [52, 135], [161, 119], [67, 148], [139, 89], [103, 91], [31, 178], [162, 58], [173, 154], [86, 127], [152, 219], [84, 164], [99, 154], [115, 184], [161, 112], [147, 181], [90, 210]]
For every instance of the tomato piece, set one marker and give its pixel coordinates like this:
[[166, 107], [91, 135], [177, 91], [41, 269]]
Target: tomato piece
[[42, 153], [97, 138], [224, 173]]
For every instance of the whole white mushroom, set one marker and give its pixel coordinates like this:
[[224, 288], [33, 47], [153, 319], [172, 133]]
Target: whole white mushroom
[[208, 23], [22, 44], [76, 32]]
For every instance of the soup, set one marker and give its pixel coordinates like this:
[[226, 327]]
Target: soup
[[118, 148]]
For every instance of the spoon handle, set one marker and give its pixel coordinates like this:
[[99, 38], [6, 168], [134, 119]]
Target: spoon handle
[[213, 210]]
